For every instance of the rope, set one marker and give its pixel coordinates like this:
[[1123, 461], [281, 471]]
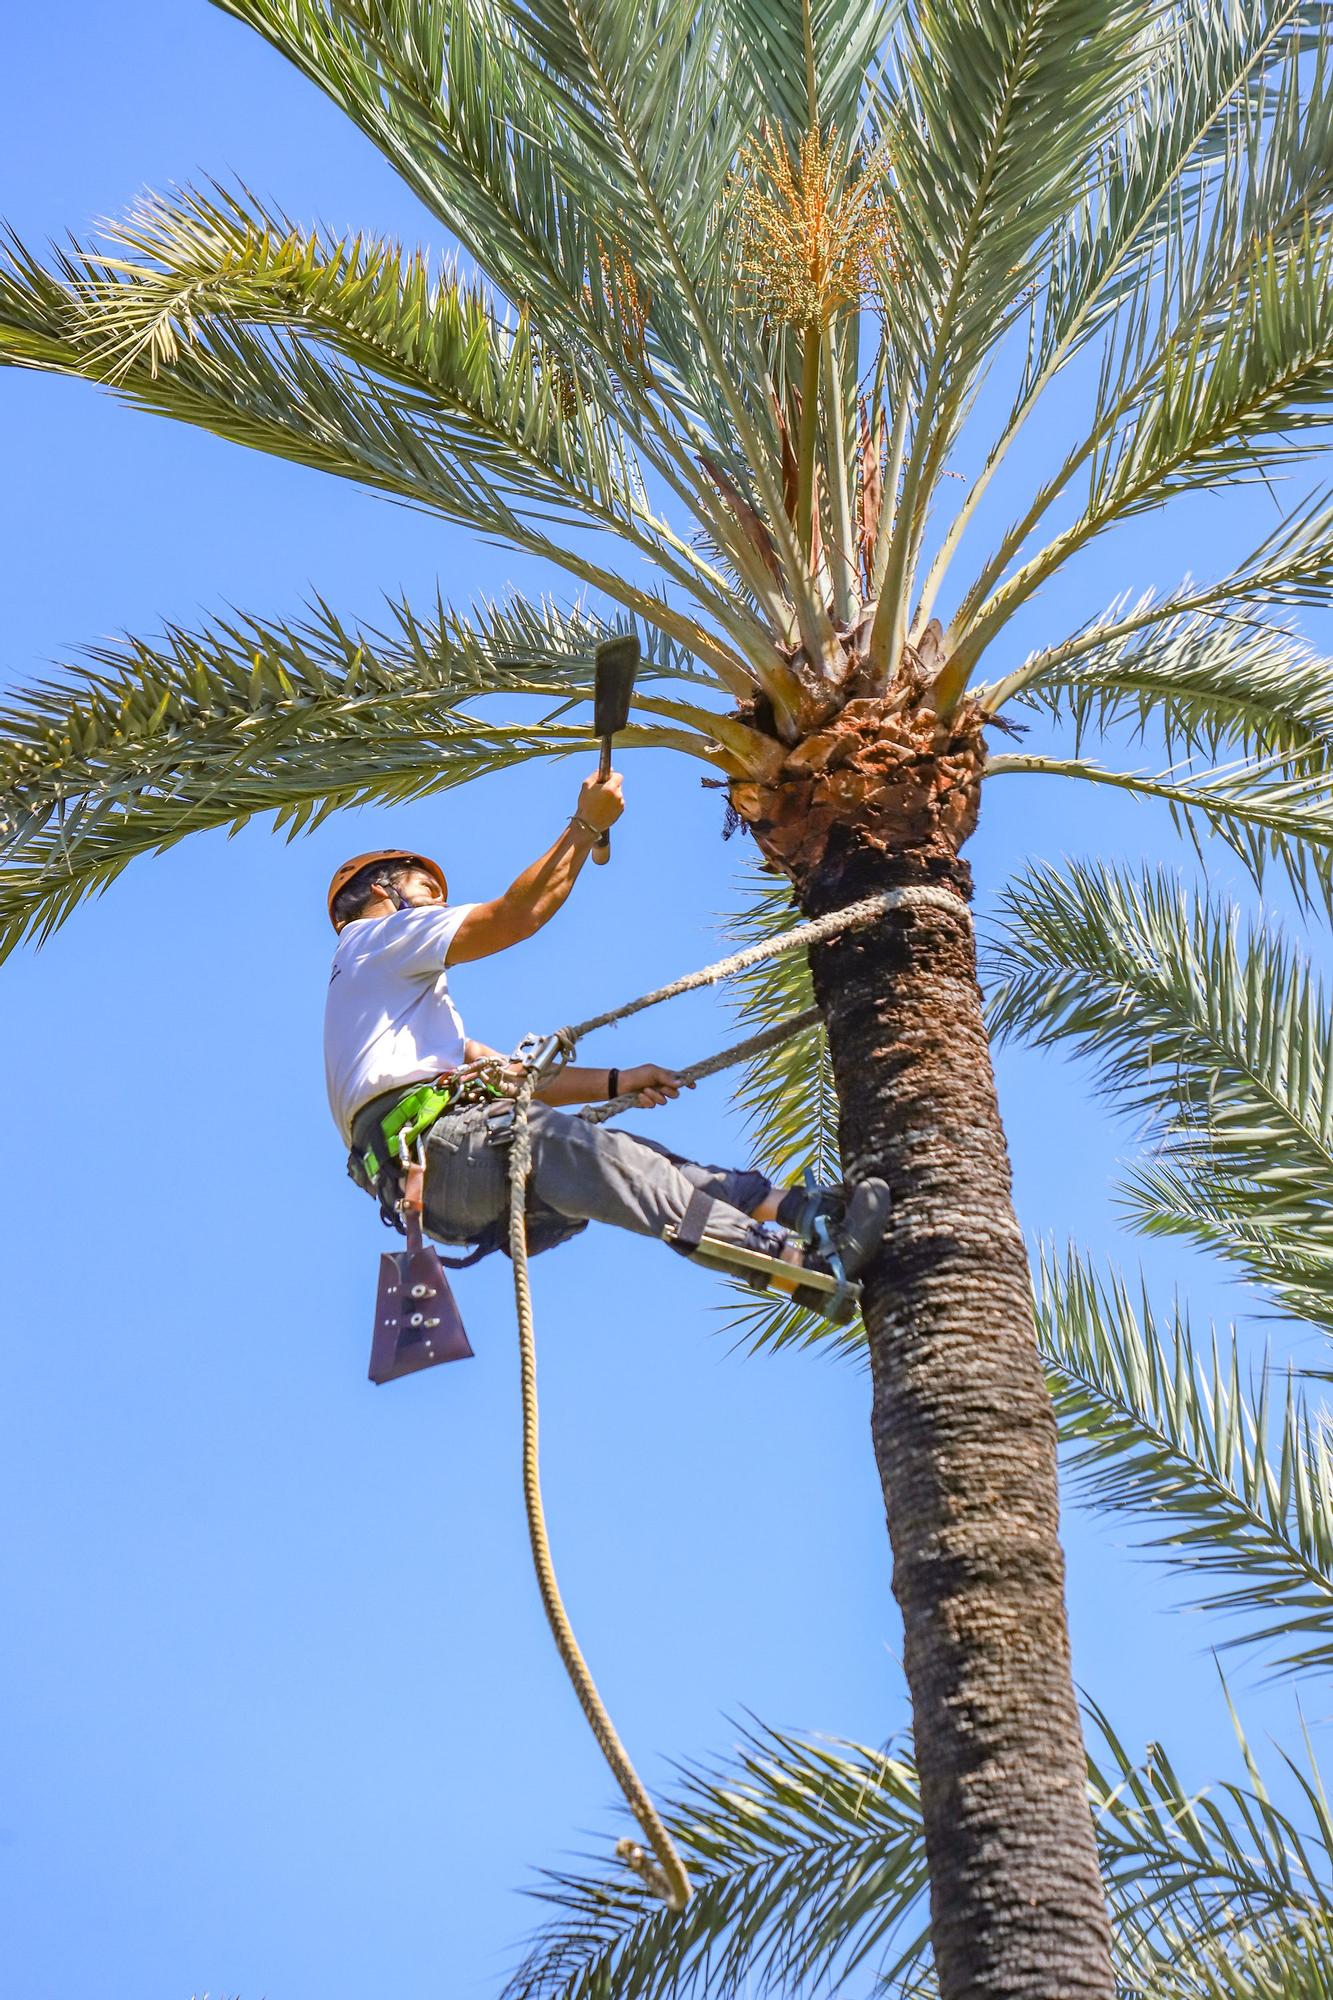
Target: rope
[[758, 1044], [666, 1876], [819, 928]]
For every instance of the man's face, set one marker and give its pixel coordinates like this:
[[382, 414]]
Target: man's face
[[419, 888]]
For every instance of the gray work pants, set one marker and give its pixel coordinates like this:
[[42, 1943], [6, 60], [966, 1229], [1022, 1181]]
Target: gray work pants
[[579, 1172]]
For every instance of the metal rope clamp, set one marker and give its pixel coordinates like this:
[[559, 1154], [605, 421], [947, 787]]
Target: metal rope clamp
[[539, 1055]]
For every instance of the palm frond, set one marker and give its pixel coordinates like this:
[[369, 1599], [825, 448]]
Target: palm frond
[[1295, 1963], [148, 743], [541, 132], [505, 154], [998, 108], [1200, 113], [1208, 1864], [1226, 679], [788, 1103], [174, 259], [1214, 94], [807, 1858], [1236, 1485], [1278, 1237], [1219, 1038], [1216, 361], [809, 1863], [838, 43], [1267, 815], [1293, 565], [230, 320]]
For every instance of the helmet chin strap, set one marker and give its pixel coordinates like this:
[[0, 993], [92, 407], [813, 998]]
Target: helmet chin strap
[[392, 890]]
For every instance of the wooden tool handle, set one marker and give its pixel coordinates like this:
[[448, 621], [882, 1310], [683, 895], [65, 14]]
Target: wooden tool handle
[[601, 852]]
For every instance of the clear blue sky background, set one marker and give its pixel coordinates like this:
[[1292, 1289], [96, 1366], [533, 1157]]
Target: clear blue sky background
[[282, 1717]]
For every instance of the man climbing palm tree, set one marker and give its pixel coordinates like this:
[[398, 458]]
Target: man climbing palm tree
[[402, 1073], [749, 288]]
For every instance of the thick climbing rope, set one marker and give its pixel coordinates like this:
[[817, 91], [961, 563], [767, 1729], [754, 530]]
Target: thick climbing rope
[[852, 916], [666, 1875], [758, 1044], [663, 1871]]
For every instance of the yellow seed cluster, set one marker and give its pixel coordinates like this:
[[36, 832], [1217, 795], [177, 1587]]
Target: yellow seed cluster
[[621, 280], [809, 239]]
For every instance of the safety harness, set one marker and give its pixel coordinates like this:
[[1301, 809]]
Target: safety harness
[[396, 1126], [408, 1119]]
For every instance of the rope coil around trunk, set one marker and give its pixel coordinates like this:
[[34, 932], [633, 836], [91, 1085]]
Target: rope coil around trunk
[[665, 1874]]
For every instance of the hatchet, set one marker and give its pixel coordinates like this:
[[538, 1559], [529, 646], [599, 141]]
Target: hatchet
[[615, 663]]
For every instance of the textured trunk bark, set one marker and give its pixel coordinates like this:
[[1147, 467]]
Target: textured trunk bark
[[965, 1441]]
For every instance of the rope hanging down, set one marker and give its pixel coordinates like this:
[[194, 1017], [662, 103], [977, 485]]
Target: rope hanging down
[[663, 1871]]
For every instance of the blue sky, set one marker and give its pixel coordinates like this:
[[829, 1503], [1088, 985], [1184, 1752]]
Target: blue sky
[[286, 1719]]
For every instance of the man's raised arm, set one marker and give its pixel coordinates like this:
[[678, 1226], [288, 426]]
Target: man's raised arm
[[539, 891]]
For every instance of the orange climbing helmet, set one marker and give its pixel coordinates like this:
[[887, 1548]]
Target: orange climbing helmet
[[343, 875]]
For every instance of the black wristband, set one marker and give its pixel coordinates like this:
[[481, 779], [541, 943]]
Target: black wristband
[[612, 1084]]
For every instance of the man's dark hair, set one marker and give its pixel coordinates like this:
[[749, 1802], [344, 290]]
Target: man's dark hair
[[351, 899]]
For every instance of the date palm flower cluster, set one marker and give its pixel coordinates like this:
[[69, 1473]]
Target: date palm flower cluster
[[812, 239], [1097, 236]]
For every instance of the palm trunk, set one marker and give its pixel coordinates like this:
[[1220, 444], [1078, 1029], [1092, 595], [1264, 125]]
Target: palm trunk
[[965, 1441]]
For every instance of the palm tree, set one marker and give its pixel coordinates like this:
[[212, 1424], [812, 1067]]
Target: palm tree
[[741, 268]]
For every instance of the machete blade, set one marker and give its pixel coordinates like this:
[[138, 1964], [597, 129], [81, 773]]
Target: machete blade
[[616, 662]]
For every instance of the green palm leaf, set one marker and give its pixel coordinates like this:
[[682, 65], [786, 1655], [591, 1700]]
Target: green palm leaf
[[542, 136], [1238, 1486], [839, 42], [807, 1859], [147, 744], [997, 111], [1221, 346], [809, 1865], [1266, 812], [1218, 1037], [788, 1104], [1293, 565], [1297, 1964], [352, 358], [1187, 139], [1208, 681]]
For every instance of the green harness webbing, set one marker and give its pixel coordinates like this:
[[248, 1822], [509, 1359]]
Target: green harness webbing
[[412, 1116]]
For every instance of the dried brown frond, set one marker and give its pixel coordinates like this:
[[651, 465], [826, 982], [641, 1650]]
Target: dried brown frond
[[809, 237]]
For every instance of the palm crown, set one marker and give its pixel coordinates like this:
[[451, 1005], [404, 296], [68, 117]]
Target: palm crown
[[679, 221]]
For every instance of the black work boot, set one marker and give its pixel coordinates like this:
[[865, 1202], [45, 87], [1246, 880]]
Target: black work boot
[[802, 1209], [859, 1231], [844, 1249]]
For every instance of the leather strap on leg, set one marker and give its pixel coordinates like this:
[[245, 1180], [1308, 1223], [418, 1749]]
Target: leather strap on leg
[[693, 1225], [413, 1199]]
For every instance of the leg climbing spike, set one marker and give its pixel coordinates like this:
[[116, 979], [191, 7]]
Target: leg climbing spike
[[824, 1281]]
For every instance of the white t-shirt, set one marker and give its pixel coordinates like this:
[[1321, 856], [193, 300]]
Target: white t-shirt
[[389, 1018]]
